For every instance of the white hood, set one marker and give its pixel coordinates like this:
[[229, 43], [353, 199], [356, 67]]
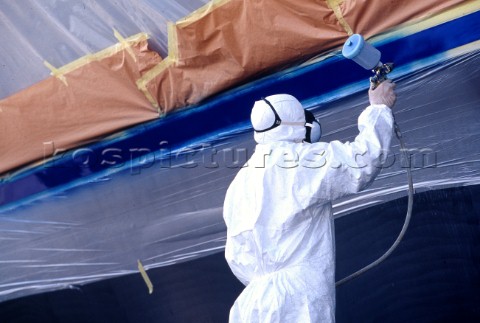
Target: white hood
[[289, 110]]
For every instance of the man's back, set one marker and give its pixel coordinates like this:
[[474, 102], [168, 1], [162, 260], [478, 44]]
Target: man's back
[[281, 245], [280, 232]]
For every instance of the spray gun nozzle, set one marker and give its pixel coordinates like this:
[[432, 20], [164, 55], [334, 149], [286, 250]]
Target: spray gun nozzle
[[380, 72]]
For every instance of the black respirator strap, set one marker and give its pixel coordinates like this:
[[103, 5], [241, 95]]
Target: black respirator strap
[[309, 120], [277, 121]]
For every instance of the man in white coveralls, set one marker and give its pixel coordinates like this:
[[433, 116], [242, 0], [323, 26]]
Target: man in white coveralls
[[278, 209]]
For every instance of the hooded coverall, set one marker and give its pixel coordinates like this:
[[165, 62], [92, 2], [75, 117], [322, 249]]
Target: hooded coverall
[[278, 212]]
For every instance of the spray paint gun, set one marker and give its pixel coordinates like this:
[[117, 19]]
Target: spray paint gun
[[367, 56]]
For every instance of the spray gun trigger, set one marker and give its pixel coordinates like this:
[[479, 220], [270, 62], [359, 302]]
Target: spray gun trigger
[[380, 72]]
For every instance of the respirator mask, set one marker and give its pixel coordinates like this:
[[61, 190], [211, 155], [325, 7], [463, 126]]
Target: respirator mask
[[313, 130]]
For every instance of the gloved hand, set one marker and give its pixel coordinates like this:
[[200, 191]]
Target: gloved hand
[[383, 94]]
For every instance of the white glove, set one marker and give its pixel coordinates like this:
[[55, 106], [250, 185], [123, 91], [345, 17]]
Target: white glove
[[383, 94]]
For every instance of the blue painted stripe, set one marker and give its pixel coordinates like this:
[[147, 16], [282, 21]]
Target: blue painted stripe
[[226, 112]]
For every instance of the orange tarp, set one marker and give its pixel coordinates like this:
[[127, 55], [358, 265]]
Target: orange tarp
[[240, 39], [98, 98], [224, 44]]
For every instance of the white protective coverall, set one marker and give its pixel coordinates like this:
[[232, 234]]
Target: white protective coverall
[[278, 212]]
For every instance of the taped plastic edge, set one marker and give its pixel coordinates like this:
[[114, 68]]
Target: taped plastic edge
[[337, 10], [145, 277], [70, 67], [173, 52], [409, 27], [56, 72], [172, 42], [171, 59], [147, 77], [125, 44], [201, 12], [424, 23]]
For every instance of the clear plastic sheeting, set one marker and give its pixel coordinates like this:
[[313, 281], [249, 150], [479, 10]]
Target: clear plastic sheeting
[[64, 225], [61, 31], [165, 215], [437, 111]]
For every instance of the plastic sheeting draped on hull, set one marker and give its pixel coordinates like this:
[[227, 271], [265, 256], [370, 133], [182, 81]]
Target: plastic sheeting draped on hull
[[155, 192]]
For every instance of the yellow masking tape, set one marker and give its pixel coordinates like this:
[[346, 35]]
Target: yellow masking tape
[[150, 75], [420, 24], [142, 86], [125, 44], [172, 57], [160, 67], [172, 41], [335, 6], [145, 277], [201, 12], [56, 72]]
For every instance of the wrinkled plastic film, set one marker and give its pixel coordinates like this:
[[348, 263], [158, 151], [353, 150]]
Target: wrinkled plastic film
[[436, 112], [170, 211]]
